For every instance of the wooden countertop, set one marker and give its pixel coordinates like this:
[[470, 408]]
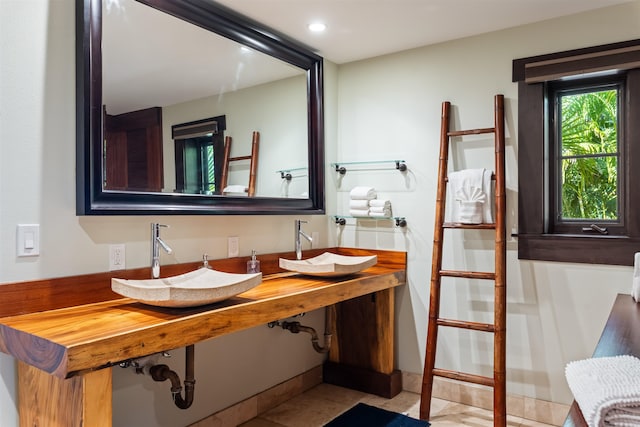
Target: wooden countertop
[[69, 340], [621, 335]]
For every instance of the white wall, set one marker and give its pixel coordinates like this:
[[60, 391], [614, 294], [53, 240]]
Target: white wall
[[556, 311], [389, 107], [277, 110]]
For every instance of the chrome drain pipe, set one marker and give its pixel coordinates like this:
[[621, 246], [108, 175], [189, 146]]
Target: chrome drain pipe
[[296, 327]]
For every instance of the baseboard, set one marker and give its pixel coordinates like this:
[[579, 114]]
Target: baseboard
[[529, 408], [454, 391]]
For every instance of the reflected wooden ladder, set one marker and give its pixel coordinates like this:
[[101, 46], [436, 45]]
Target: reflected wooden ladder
[[498, 328], [253, 163]]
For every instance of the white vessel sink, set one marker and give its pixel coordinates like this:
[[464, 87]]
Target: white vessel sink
[[329, 264], [199, 287]]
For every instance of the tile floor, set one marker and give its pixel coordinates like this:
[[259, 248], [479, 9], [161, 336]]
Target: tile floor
[[324, 402]]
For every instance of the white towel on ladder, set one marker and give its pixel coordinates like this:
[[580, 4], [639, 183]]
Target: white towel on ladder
[[462, 183]]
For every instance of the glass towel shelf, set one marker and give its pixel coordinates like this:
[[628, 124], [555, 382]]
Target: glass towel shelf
[[400, 220], [341, 169], [286, 173]]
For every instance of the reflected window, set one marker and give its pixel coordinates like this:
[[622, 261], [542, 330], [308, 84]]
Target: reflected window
[[199, 150]]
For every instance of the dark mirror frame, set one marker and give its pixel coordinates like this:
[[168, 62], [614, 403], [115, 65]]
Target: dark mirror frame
[[91, 199]]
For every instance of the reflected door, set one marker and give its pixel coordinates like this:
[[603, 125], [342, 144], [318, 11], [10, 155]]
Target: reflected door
[[133, 151]]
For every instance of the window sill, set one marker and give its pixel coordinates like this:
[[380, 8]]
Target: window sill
[[611, 250]]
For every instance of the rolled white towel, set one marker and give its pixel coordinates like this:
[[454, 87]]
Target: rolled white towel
[[379, 209], [358, 204], [380, 203], [359, 212], [235, 189], [363, 193], [384, 214], [606, 389]]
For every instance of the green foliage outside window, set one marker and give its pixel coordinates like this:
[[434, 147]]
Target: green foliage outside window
[[209, 168], [589, 155]]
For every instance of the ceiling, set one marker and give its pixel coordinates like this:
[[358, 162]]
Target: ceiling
[[360, 29], [146, 63]]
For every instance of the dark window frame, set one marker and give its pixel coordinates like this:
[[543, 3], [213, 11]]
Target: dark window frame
[[582, 85], [536, 241]]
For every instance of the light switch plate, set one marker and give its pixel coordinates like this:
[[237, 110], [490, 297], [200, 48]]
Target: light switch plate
[[28, 240]]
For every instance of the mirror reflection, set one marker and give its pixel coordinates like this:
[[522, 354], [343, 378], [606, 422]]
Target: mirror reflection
[[176, 95]]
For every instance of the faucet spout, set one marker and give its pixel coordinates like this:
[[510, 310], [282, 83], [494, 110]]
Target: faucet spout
[[156, 244], [164, 246], [299, 232]]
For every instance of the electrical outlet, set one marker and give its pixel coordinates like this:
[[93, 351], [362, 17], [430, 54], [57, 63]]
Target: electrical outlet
[[233, 246], [315, 239], [116, 257]]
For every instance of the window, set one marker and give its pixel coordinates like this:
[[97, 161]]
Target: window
[[579, 155], [585, 183]]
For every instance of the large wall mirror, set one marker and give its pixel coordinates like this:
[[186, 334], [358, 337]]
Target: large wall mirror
[[167, 90]]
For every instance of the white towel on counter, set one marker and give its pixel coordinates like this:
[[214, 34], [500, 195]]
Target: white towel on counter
[[635, 287], [466, 186], [359, 212], [383, 214], [358, 204], [606, 389], [363, 193]]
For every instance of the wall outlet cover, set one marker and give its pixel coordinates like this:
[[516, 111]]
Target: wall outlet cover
[[233, 246], [117, 257]]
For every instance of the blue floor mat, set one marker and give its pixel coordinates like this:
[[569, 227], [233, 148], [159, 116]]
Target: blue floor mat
[[363, 415]]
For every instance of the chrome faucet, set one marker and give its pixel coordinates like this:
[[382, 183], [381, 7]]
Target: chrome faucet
[[156, 243], [299, 232]]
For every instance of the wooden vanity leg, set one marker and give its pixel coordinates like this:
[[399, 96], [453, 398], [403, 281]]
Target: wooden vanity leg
[[362, 354], [48, 401]]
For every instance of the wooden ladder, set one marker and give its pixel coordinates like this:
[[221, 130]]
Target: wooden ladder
[[253, 163], [498, 328]]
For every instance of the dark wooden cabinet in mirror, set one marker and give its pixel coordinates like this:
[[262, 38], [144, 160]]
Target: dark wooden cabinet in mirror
[[102, 68]]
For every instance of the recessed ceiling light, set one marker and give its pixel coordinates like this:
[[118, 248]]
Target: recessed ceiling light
[[317, 27]]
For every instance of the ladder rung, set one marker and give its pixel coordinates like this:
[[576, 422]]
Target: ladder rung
[[468, 274], [475, 326], [461, 376], [471, 132], [469, 226], [233, 159]]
